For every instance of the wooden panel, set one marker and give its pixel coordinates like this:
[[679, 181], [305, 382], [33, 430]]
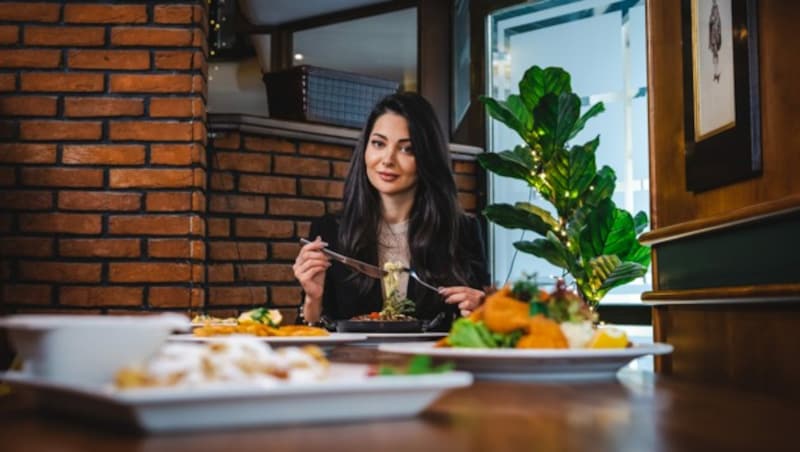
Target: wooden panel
[[751, 347], [780, 102]]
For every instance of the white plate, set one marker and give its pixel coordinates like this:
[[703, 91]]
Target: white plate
[[347, 395], [381, 338], [330, 340], [533, 364]]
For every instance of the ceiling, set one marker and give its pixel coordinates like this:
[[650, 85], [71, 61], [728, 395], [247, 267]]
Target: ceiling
[[274, 12]]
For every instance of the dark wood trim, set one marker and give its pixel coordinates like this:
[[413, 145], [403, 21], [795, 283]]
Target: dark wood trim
[[434, 36], [726, 295], [281, 50], [737, 217]]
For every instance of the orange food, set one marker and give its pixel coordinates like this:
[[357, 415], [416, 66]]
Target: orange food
[[543, 333], [502, 313]]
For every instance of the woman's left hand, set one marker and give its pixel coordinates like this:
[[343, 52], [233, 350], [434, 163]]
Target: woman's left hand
[[467, 298]]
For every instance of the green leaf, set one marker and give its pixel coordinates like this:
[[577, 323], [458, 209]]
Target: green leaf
[[511, 217], [517, 106], [538, 82], [638, 253], [466, 333], [593, 111], [544, 214], [508, 163], [555, 119], [640, 222], [418, 365], [501, 112], [624, 273], [569, 174], [549, 248], [608, 231], [602, 187]]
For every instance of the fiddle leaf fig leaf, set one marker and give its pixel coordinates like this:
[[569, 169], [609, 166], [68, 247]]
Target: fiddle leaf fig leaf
[[602, 188], [501, 112], [517, 106], [538, 82], [569, 175], [555, 118], [512, 217], [640, 222], [624, 273], [593, 111], [548, 248], [517, 163], [609, 231]]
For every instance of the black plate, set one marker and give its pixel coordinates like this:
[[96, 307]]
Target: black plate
[[379, 326]]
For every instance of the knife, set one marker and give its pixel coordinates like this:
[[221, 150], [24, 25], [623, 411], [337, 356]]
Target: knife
[[357, 265]]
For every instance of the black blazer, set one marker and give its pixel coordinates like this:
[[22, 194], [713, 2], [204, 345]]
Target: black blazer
[[341, 298]]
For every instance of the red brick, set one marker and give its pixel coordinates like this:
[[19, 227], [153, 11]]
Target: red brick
[[150, 224], [175, 154], [151, 178], [326, 150], [464, 167], [220, 273], [232, 296], [465, 182], [260, 144], [199, 85], [285, 295], [175, 297], [62, 177], [26, 200], [219, 227], [109, 59], [151, 83], [227, 140], [340, 169], [173, 14], [267, 184], [8, 82], [199, 62], [9, 34], [221, 181], [169, 201], [102, 107], [301, 166], [29, 58], [468, 201], [30, 12], [173, 59], [151, 36], [266, 272], [198, 201], [26, 246], [237, 204], [59, 271], [27, 153], [333, 206], [287, 251], [26, 294], [8, 177], [62, 82], [303, 228], [176, 248], [98, 200], [149, 272], [176, 107], [100, 296], [289, 316], [28, 106], [235, 251], [59, 130], [296, 207], [103, 154], [99, 248], [64, 36], [151, 131], [238, 161], [105, 14], [322, 188], [250, 227], [60, 222]]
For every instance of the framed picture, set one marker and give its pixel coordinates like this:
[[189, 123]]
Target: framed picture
[[721, 92]]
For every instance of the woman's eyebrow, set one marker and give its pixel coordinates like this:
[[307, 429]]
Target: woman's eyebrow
[[379, 135]]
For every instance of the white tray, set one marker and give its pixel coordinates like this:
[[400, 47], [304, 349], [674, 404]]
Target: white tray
[[324, 341], [533, 364], [348, 395]]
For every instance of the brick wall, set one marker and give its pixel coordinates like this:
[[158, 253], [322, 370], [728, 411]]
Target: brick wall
[[102, 156], [263, 193]]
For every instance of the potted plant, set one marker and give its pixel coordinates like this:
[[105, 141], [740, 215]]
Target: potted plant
[[589, 238]]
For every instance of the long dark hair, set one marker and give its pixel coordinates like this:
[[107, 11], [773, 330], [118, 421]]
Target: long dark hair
[[434, 224]]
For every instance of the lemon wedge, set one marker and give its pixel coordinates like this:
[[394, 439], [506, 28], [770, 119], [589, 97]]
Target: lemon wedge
[[608, 338]]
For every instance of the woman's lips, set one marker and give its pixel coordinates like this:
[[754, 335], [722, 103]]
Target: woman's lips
[[388, 177]]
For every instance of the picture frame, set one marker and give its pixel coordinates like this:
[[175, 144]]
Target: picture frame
[[721, 92]]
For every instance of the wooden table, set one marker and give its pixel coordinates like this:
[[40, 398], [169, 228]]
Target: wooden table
[[637, 412]]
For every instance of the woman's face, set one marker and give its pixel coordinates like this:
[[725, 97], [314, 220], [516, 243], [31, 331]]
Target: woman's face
[[391, 166]]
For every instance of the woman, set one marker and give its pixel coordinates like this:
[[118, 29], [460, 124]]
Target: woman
[[400, 204]]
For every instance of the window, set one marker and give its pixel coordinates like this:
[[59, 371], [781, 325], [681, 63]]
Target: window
[[602, 44]]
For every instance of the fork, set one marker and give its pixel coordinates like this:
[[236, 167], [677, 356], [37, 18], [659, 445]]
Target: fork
[[412, 273]]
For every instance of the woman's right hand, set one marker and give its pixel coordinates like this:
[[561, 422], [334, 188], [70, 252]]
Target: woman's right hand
[[309, 268]]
